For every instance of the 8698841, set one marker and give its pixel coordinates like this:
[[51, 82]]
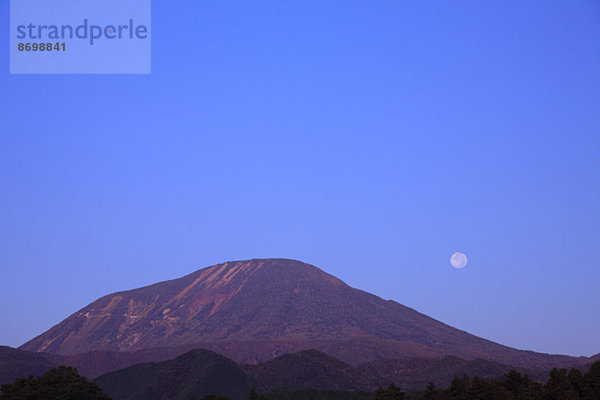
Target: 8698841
[[42, 46]]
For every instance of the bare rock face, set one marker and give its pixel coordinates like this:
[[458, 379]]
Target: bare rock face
[[260, 304]]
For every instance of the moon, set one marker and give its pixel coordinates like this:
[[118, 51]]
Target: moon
[[458, 260]]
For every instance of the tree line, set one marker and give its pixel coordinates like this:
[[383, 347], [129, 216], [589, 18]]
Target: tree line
[[561, 385], [65, 383]]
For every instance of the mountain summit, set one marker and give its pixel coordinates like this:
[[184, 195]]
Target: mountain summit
[[272, 302]]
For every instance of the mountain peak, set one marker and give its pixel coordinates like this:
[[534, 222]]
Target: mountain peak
[[149, 315], [217, 284]]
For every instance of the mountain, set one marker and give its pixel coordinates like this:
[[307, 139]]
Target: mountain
[[195, 374], [267, 305]]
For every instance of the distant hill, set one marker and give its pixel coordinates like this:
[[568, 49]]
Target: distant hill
[[15, 363], [291, 372], [414, 374], [202, 372], [21, 364], [316, 370], [197, 373], [307, 369], [263, 308]]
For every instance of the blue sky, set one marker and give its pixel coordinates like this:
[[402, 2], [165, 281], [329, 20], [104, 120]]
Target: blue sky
[[371, 139]]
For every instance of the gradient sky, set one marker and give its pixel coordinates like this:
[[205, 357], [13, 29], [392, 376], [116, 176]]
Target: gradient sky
[[371, 139]]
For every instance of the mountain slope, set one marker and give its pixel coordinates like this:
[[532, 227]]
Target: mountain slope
[[260, 301]]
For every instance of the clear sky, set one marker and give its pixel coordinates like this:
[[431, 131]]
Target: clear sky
[[371, 139]]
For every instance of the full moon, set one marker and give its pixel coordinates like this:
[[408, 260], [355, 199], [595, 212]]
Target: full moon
[[458, 260]]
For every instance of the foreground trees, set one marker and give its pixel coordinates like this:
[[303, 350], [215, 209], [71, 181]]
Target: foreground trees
[[391, 393], [62, 383], [561, 385]]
